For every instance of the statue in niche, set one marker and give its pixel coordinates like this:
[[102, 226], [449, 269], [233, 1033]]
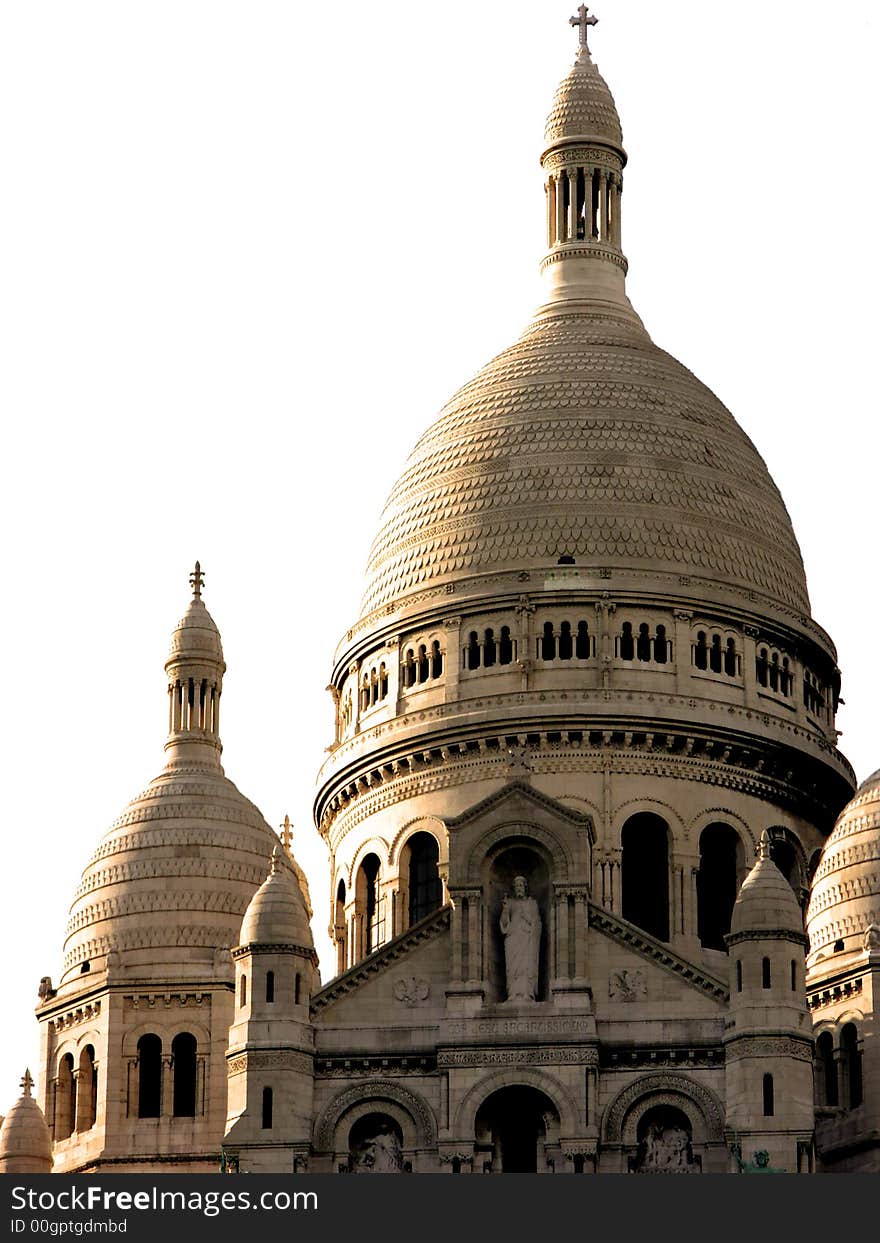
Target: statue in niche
[[667, 1150], [520, 925], [872, 937], [379, 1153]]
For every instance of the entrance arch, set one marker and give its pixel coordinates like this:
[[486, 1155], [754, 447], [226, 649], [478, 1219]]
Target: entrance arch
[[516, 1131]]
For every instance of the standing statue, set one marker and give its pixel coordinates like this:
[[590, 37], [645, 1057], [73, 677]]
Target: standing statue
[[520, 925], [379, 1153]]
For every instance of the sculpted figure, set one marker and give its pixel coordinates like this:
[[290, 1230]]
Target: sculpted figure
[[380, 1154], [872, 937], [520, 925]]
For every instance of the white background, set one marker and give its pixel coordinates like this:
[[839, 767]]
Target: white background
[[246, 252]]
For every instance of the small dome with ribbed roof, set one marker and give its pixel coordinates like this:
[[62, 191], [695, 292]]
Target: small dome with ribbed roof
[[277, 914], [766, 900], [583, 107], [845, 896], [196, 635], [25, 1143]]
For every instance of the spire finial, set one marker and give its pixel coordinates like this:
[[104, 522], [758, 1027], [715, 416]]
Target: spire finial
[[583, 22], [286, 834], [274, 865], [764, 846], [196, 581], [27, 1082]]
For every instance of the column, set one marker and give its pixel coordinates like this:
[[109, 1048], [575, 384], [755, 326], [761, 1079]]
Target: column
[[551, 209], [603, 206], [560, 206], [749, 655], [616, 191], [580, 934], [354, 682], [475, 938], [458, 933], [572, 204], [682, 651], [452, 658], [562, 934]]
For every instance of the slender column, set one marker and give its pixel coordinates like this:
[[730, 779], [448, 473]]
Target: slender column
[[615, 208], [560, 206], [580, 934], [572, 204], [550, 189], [475, 940], [458, 933], [562, 935], [603, 206]]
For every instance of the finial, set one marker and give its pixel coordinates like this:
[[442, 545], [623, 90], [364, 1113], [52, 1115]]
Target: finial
[[27, 1082], [583, 22], [196, 581], [764, 846], [273, 867], [286, 834]]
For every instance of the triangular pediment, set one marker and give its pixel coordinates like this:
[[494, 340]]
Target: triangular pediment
[[657, 952], [518, 800]]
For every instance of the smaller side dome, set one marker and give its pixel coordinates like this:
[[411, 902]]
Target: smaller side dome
[[25, 1143], [583, 108], [277, 913], [766, 901], [845, 894]]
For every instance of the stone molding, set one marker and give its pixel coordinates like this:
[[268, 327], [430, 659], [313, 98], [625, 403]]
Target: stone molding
[[375, 1090], [535, 1055], [768, 934], [769, 1046], [269, 1059], [627, 934], [73, 1018], [663, 1088]]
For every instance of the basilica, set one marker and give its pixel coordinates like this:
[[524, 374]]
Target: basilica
[[604, 897]]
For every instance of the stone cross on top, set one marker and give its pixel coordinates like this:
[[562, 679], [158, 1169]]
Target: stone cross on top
[[286, 835], [27, 1083], [583, 22], [197, 581]]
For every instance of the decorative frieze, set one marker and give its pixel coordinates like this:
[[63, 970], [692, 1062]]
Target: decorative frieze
[[269, 1059], [770, 1046], [73, 1018], [520, 1055]]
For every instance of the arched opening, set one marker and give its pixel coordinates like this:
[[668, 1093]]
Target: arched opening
[[851, 1066], [661, 649], [270, 987], [765, 973], [436, 659], [267, 1109], [701, 651], [242, 990], [183, 1067], [626, 643], [739, 975], [472, 651], [86, 1090], [643, 642], [731, 660], [369, 905], [297, 988], [149, 1063], [826, 1070], [717, 883], [566, 643], [518, 902], [665, 1139], [340, 928], [409, 668], [767, 1092], [424, 884], [489, 648], [375, 1145], [645, 873], [548, 642], [582, 643], [515, 1131], [786, 853], [505, 647], [65, 1099], [424, 663]]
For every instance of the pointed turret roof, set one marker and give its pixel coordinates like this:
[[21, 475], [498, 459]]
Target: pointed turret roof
[[766, 900], [25, 1143]]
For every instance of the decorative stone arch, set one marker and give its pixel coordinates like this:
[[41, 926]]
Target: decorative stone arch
[[132, 1036], [700, 1106], [720, 815], [92, 1036], [783, 832], [525, 831], [582, 805], [519, 1076], [420, 824], [373, 846], [412, 1113], [636, 806], [849, 1016]]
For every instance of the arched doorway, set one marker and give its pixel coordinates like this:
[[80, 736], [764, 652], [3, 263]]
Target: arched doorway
[[645, 873], [516, 1131]]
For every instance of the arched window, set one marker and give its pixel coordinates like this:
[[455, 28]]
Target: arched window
[[761, 663], [826, 1070], [767, 1086], [409, 668], [473, 651], [548, 642], [436, 659], [425, 885], [794, 975], [730, 659], [645, 874], [267, 1109], [370, 908], [716, 658], [65, 1098], [374, 686], [489, 648], [661, 650], [297, 986], [626, 643], [270, 986], [701, 651], [739, 975], [242, 990], [505, 647], [717, 883], [87, 1090], [183, 1066], [149, 1062], [424, 663], [643, 643], [851, 1066], [773, 672], [365, 693], [340, 929], [765, 973], [383, 681], [582, 643], [566, 644]]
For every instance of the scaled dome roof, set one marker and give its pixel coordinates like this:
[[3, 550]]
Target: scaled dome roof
[[583, 107], [845, 894], [277, 914], [766, 901], [587, 439]]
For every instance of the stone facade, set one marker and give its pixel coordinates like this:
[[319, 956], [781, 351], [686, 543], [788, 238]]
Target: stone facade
[[585, 692]]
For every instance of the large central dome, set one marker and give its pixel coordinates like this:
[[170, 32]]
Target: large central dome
[[585, 439]]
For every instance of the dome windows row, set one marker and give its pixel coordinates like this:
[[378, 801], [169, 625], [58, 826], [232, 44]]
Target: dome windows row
[[838, 1078]]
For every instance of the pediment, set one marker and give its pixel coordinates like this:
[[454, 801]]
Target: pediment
[[520, 801], [641, 945]]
